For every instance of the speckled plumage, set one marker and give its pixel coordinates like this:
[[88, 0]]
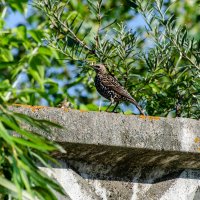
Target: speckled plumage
[[109, 87]]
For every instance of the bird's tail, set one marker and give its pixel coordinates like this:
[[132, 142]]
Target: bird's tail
[[133, 101]]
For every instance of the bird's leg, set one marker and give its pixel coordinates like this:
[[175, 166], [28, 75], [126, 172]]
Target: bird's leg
[[115, 106], [109, 106]]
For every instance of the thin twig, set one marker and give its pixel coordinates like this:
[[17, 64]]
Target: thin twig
[[68, 55], [99, 3], [82, 43]]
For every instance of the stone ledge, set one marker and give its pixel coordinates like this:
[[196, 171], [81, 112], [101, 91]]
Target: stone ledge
[[122, 141]]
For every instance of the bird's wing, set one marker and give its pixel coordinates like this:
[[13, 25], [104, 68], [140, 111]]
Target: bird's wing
[[112, 83]]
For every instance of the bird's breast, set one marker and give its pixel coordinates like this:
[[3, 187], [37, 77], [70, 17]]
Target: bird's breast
[[104, 90]]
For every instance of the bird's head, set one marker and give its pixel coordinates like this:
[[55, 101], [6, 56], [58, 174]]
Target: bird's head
[[99, 68]]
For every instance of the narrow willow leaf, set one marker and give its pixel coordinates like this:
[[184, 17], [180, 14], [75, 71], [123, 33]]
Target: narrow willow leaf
[[11, 187], [4, 134], [184, 37], [73, 20], [79, 27]]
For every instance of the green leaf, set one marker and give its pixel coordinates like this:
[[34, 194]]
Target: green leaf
[[19, 5], [37, 35], [21, 33], [45, 51], [154, 87], [7, 64], [5, 85], [6, 55], [36, 76], [13, 189], [34, 138], [4, 134]]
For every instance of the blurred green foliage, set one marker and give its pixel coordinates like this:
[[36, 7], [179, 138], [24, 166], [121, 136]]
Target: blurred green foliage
[[22, 75], [188, 14], [47, 59]]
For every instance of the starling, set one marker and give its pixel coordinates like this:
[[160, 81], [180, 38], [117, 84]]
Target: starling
[[109, 87]]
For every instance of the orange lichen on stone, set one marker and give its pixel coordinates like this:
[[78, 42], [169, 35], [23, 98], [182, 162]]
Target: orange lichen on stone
[[149, 117], [197, 140], [33, 108], [83, 110], [65, 109]]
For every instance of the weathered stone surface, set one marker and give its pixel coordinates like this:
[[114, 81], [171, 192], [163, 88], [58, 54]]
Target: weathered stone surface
[[116, 156]]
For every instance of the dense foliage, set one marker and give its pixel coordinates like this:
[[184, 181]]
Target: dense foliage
[[150, 46], [159, 65]]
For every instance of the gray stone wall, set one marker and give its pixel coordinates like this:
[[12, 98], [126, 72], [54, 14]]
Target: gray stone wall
[[113, 156]]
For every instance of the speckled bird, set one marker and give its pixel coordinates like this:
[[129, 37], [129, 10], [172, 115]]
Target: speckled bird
[[109, 87]]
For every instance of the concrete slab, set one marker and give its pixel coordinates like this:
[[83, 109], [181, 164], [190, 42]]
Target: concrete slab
[[116, 156]]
